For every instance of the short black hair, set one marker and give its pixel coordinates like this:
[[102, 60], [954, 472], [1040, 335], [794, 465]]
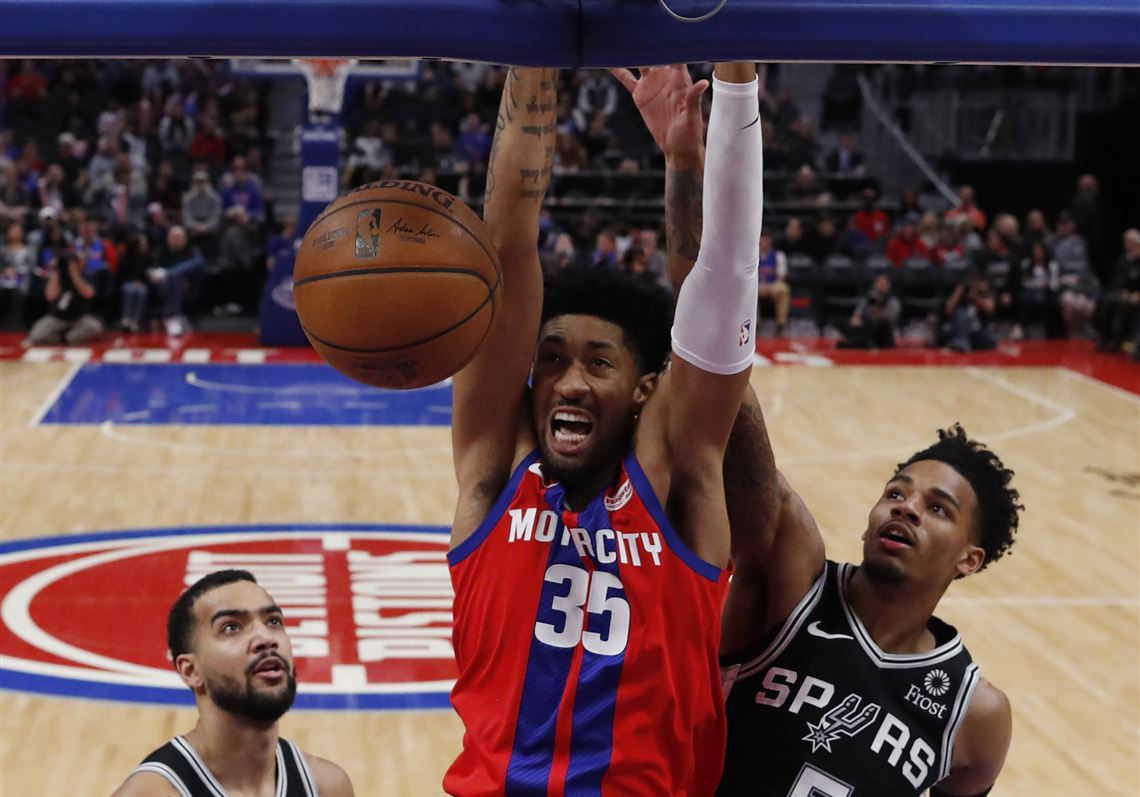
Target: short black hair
[[180, 621], [642, 309], [997, 518]]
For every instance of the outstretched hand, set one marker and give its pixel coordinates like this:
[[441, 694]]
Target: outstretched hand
[[670, 104]]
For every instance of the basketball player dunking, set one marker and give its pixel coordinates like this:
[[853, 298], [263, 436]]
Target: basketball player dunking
[[591, 537], [839, 681], [228, 642]]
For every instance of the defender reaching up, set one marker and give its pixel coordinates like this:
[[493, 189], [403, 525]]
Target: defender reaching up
[[839, 680], [591, 534]]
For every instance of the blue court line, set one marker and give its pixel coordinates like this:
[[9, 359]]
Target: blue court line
[[239, 395]]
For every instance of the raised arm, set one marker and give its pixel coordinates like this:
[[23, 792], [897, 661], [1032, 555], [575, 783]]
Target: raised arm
[[490, 420], [762, 506]]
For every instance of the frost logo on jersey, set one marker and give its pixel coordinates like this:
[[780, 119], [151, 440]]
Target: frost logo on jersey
[[368, 609], [937, 682], [846, 719]]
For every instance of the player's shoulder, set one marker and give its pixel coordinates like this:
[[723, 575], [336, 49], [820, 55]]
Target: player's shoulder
[[145, 784], [332, 780], [989, 706]]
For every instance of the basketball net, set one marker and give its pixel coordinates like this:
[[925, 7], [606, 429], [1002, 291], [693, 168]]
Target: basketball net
[[326, 79]]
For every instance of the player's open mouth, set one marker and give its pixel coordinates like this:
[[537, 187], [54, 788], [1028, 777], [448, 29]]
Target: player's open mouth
[[570, 429], [896, 536], [270, 667]]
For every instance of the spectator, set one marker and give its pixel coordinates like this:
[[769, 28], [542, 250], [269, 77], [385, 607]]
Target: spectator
[[1067, 245], [1036, 228], [905, 243], [1084, 208], [202, 212], [597, 96], [569, 153], [1120, 309], [806, 188], [845, 159], [823, 241], [597, 138], [1001, 270], [658, 263], [1078, 288], [14, 199], [102, 163], [853, 242], [176, 132], [605, 250], [208, 145], [792, 242], [474, 142], [802, 147], [133, 288], [773, 270], [242, 188], [870, 218], [949, 244], [71, 160], [560, 255], [968, 312], [967, 208], [71, 292], [1038, 276], [874, 324], [235, 278], [908, 202], [51, 190], [17, 261], [177, 263], [370, 153], [97, 253], [166, 187], [1010, 231], [929, 231]]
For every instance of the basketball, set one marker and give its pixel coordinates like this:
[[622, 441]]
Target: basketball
[[396, 284]]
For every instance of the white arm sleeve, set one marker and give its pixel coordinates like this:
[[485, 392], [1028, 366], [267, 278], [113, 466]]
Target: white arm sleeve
[[715, 321]]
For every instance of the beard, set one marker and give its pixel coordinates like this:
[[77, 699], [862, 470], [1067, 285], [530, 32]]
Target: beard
[[887, 573], [243, 699]]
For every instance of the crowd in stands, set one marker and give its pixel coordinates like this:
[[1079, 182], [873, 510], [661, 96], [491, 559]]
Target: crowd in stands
[[132, 194]]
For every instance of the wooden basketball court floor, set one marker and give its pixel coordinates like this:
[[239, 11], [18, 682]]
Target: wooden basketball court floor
[[1055, 624]]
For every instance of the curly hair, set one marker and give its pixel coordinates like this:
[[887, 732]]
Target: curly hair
[[180, 621], [642, 309], [997, 516]]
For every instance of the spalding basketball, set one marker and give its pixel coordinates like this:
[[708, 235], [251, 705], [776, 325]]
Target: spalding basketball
[[396, 284]]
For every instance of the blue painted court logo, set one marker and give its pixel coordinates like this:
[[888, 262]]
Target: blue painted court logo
[[367, 607]]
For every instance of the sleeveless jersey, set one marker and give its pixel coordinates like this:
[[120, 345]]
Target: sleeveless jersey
[[586, 644], [181, 765], [823, 711]]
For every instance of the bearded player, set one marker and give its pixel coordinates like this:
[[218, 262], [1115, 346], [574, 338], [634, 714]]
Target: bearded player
[[591, 538], [228, 643], [839, 680]]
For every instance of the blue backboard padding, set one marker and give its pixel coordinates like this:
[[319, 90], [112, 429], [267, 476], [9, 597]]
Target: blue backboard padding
[[583, 32], [253, 395]]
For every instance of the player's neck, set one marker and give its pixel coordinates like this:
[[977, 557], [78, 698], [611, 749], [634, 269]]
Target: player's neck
[[241, 754], [583, 489], [895, 615]]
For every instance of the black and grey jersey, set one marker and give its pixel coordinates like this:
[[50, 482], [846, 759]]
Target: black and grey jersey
[[822, 711], [180, 764]]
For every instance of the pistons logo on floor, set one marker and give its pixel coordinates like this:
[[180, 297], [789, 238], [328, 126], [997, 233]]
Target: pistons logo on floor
[[368, 609]]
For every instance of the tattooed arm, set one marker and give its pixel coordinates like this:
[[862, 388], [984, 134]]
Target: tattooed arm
[[776, 546], [491, 429]]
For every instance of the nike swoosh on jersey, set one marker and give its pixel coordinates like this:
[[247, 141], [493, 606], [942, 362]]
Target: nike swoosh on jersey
[[815, 630]]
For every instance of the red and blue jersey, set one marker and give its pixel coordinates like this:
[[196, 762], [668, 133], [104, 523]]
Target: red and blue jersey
[[587, 648]]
